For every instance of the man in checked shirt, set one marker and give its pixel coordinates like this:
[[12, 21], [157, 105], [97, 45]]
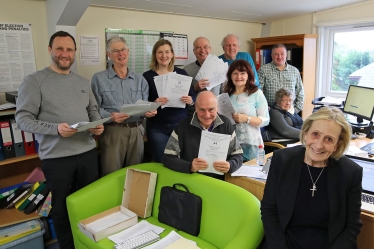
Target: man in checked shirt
[[278, 74]]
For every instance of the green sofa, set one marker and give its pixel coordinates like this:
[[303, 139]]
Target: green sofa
[[230, 219]]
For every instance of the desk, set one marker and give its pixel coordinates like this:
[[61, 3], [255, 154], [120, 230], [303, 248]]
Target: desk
[[365, 239]]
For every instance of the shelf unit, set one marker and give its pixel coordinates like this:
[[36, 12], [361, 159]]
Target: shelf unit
[[13, 171], [308, 43]]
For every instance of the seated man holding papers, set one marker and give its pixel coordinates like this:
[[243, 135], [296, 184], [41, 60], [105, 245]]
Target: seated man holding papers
[[198, 144]]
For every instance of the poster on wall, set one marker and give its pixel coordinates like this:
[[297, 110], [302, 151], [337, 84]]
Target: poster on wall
[[17, 58], [90, 50], [140, 44]]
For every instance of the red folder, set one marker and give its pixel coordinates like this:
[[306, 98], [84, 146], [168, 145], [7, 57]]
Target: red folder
[[258, 62], [8, 144], [28, 141]]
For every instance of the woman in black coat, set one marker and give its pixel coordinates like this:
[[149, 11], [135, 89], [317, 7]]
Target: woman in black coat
[[312, 196]]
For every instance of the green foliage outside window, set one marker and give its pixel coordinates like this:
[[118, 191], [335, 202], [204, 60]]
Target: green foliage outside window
[[347, 60]]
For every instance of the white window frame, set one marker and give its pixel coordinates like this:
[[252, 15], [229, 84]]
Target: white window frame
[[326, 33]]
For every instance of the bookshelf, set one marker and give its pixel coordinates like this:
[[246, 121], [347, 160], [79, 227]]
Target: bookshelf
[[307, 45], [13, 171]]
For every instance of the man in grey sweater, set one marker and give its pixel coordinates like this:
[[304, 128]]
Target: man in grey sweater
[[49, 101]]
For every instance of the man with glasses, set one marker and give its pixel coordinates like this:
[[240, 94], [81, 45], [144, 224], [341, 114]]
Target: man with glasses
[[231, 45], [122, 142], [201, 49], [278, 74]]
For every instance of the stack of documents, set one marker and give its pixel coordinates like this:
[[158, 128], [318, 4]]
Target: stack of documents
[[213, 69], [140, 107], [173, 241], [173, 86], [330, 101], [355, 151], [250, 171]]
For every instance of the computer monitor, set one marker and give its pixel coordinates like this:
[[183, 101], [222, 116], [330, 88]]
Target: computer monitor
[[360, 103]]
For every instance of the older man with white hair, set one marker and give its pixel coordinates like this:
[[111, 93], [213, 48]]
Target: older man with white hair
[[231, 45]]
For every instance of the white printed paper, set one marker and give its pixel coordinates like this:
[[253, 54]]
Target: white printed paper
[[169, 239], [213, 69], [17, 58], [213, 147], [90, 50], [225, 106], [177, 86], [250, 171], [83, 126]]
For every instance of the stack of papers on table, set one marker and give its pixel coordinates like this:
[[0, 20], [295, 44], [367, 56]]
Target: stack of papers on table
[[173, 86], [330, 101], [250, 171], [140, 107], [355, 151], [213, 69], [169, 240]]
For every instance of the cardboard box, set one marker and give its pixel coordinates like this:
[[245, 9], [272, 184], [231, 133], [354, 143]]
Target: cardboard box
[[139, 191], [137, 200]]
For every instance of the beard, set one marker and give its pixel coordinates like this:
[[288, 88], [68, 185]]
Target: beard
[[58, 64]]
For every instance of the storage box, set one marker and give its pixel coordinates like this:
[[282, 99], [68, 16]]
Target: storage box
[[11, 96], [139, 191], [137, 200], [33, 240]]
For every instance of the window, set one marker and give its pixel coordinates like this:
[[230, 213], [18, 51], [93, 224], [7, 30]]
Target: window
[[346, 57]]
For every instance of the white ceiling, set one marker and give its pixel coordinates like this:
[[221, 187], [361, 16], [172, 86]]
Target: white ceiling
[[243, 10]]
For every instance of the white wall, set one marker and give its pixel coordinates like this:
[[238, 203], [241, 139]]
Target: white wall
[[96, 19], [305, 24]]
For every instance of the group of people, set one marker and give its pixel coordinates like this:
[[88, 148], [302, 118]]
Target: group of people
[[52, 99]]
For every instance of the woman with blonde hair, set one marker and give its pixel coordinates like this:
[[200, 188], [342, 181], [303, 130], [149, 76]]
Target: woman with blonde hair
[[160, 127], [312, 197]]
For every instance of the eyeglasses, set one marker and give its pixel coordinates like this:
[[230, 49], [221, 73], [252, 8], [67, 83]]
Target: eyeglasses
[[116, 51], [286, 100], [201, 48]]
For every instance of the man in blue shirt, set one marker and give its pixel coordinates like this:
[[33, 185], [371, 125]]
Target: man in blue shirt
[[122, 142], [231, 45]]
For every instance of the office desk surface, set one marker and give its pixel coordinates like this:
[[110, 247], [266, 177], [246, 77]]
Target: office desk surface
[[365, 239]]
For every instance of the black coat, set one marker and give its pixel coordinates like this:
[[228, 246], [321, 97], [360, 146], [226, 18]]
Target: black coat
[[344, 179]]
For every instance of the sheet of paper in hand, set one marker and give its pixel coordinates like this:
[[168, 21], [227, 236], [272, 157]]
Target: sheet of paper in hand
[[213, 147], [83, 126]]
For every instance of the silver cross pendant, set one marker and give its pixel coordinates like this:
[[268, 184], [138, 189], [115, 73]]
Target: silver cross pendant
[[313, 189]]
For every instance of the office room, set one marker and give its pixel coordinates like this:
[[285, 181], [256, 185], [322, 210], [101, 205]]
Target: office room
[[93, 20]]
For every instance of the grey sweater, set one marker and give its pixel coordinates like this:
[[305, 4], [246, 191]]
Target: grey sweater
[[281, 125], [45, 99], [192, 69]]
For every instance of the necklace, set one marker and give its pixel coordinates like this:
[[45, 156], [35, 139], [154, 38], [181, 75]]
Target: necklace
[[314, 188]]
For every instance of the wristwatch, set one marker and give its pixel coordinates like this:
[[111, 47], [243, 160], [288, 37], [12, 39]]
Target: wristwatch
[[249, 119], [192, 103]]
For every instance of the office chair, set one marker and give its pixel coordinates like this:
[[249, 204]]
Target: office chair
[[271, 146]]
